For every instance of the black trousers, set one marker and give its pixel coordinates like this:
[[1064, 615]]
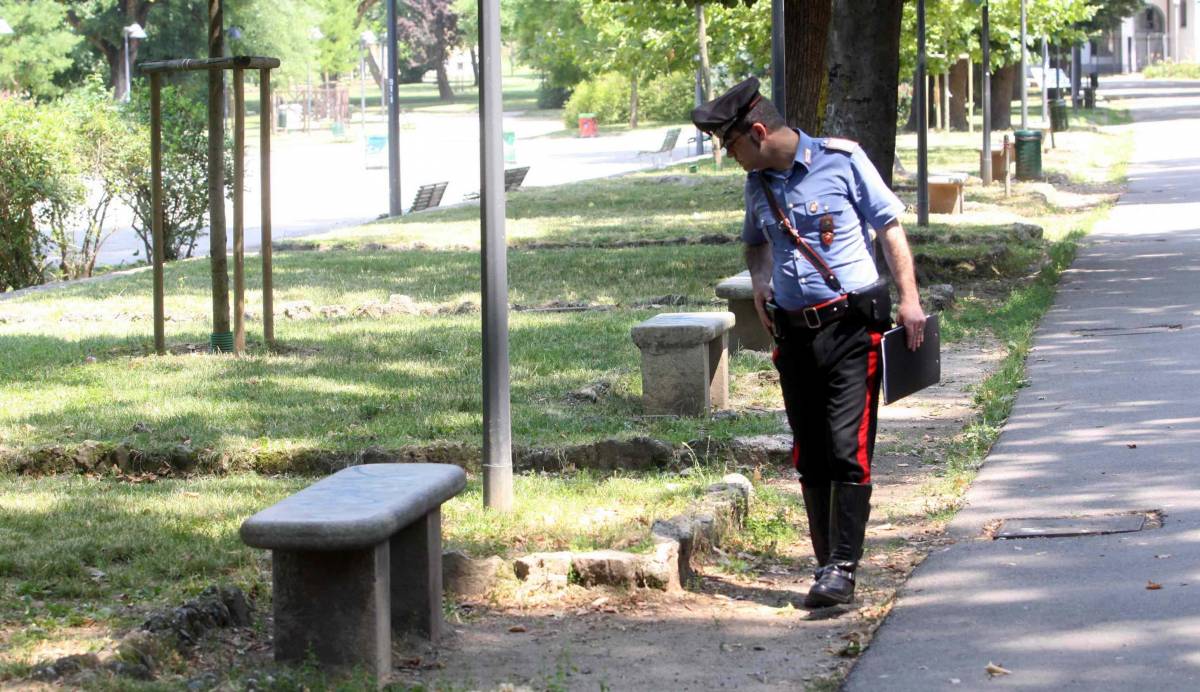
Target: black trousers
[[830, 379]]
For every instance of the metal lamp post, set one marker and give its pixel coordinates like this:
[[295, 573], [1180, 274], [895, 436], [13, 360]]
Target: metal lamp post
[[134, 31]]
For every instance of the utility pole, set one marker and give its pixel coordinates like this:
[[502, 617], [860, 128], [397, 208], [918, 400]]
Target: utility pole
[[395, 204], [1024, 78], [985, 164], [919, 100]]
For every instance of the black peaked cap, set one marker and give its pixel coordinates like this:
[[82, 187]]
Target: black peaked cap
[[717, 117]]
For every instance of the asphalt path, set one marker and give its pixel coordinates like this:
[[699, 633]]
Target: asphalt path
[[1109, 424], [319, 184]]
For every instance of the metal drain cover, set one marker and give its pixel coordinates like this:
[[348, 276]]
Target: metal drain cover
[[1127, 331], [1061, 527]]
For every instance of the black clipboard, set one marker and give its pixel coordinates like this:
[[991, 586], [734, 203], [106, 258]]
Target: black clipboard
[[905, 371]]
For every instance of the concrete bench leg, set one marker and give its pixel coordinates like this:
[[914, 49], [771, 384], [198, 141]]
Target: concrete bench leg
[[748, 332], [687, 381], [335, 604], [417, 577]]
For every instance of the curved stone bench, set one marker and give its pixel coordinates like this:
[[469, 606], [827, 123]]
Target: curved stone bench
[[685, 362], [355, 556], [748, 332]]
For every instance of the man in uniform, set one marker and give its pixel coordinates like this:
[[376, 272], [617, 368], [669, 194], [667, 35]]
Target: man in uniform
[[810, 205]]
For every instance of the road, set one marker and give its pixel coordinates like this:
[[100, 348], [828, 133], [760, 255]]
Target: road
[[1107, 426]]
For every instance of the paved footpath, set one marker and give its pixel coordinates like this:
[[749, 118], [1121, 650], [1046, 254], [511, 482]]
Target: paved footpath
[[1109, 423]]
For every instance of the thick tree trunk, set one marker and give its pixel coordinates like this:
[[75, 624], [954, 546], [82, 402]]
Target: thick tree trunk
[[864, 77], [1002, 89], [807, 31], [474, 67], [702, 42], [445, 93], [958, 95]]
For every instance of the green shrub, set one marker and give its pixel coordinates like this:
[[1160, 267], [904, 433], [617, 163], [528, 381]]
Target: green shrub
[[185, 169], [668, 97], [606, 95], [549, 96], [38, 187], [1173, 70]]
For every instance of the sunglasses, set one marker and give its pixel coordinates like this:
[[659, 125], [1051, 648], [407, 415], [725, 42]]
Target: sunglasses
[[727, 145]]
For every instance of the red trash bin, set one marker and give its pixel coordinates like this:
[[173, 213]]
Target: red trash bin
[[587, 124]]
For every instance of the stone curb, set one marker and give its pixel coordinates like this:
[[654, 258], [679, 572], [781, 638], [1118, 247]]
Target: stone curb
[[677, 541]]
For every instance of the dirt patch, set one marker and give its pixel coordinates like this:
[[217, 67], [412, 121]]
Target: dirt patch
[[737, 630]]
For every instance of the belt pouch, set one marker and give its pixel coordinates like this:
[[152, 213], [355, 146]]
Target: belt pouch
[[872, 303]]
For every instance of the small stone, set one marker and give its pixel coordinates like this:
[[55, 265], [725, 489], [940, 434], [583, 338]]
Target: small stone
[[545, 569], [140, 427], [89, 359], [941, 297], [605, 567], [465, 576]]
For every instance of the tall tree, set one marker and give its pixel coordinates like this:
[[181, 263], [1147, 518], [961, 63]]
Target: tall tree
[[864, 77], [102, 24], [430, 30], [807, 31], [39, 48]]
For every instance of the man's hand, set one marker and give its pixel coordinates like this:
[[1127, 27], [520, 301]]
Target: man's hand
[[760, 304], [913, 318], [899, 259]]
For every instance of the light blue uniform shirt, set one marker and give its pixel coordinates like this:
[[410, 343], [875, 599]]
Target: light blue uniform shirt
[[829, 176]]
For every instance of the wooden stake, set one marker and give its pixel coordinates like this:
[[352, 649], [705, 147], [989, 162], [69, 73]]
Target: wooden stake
[[156, 202], [239, 214], [264, 148]]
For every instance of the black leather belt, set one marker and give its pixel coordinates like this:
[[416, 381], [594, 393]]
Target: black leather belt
[[817, 316]]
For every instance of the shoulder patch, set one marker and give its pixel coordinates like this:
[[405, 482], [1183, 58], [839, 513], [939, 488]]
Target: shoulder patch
[[839, 144]]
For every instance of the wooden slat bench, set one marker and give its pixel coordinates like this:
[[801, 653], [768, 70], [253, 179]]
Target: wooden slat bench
[[685, 362], [354, 557], [428, 196]]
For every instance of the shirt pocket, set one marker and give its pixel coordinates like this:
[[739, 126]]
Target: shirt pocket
[[809, 212]]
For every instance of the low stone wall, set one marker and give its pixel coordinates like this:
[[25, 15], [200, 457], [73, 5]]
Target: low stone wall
[[677, 542]]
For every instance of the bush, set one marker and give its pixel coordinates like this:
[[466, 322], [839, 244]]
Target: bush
[[185, 170], [38, 188], [103, 146], [549, 96], [1173, 70], [606, 95], [668, 97]]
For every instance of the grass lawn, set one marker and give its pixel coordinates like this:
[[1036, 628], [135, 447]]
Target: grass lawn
[[83, 557]]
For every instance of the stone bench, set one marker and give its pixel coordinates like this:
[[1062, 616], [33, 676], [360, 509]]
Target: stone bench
[[946, 194], [685, 362], [748, 332], [337, 591]]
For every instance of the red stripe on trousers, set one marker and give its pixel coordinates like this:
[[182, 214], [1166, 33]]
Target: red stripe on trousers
[[864, 426]]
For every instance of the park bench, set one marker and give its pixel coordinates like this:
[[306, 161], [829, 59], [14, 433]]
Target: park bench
[[946, 194], [667, 146], [355, 556], [428, 196], [513, 177], [685, 362], [747, 332]]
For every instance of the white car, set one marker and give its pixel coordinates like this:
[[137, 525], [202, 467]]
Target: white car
[[1033, 77]]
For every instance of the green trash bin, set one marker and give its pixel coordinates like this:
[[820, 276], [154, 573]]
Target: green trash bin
[[1058, 115], [1029, 154]]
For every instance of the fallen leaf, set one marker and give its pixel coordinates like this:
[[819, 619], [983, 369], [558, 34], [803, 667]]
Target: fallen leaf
[[1163, 556], [993, 670], [1153, 586], [1131, 445], [516, 629], [599, 601]]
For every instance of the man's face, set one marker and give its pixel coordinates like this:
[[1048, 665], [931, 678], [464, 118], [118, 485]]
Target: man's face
[[744, 149]]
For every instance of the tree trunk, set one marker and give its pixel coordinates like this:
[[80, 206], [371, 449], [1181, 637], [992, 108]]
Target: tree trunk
[[474, 67], [633, 101], [1002, 89], [376, 71], [807, 30], [958, 95], [864, 78], [702, 42], [445, 93]]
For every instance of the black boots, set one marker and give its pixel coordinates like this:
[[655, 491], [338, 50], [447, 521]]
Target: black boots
[[816, 506], [850, 507]]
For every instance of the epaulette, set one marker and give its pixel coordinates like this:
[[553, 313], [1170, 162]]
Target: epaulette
[[838, 144]]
